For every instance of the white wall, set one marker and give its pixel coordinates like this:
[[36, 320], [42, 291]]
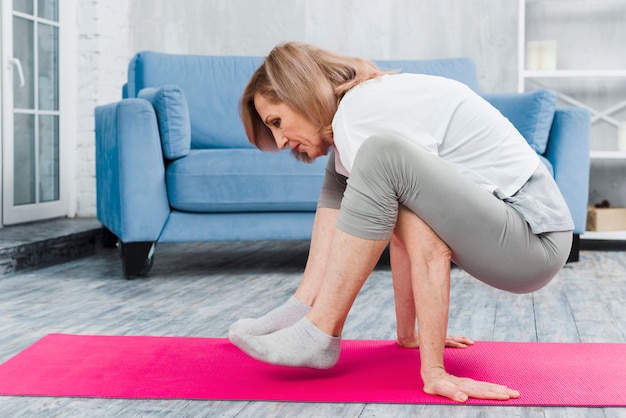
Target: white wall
[[103, 54], [484, 30]]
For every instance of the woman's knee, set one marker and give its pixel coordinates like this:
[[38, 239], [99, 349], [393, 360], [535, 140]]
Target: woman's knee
[[370, 203], [380, 150], [401, 166], [387, 171]]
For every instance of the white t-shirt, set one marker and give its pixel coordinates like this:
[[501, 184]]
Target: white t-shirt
[[443, 116]]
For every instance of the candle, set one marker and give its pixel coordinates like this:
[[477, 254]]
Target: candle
[[541, 56], [548, 55], [621, 137], [533, 58]]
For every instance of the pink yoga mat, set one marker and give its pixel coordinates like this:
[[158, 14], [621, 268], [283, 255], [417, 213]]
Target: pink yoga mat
[[546, 374]]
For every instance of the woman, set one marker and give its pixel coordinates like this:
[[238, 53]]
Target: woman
[[418, 162]]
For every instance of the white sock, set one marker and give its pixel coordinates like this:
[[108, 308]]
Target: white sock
[[285, 315], [300, 345]]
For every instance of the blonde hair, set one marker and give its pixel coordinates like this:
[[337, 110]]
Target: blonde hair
[[310, 80]]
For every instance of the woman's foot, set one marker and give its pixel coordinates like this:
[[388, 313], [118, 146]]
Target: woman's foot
[[285, 315], [300, 345]]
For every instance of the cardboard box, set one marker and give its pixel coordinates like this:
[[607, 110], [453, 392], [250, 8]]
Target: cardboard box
[[606, 219]]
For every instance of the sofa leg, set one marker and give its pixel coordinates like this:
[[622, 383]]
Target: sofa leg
[[574, 254], [137, 258], [109, 240]]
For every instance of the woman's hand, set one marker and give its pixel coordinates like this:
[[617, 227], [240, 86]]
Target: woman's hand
[[452, 341], [438, 382]]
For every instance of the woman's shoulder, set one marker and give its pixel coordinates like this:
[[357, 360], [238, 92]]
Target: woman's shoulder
[[405, 87], [407, 82]]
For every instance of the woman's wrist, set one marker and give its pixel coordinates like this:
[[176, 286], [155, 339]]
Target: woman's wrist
[[429, 373], [431, 360], [408, 340], [406, 332]]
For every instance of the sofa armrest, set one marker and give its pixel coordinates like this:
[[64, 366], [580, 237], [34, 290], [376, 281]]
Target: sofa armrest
[[568, 152], [130, 174]]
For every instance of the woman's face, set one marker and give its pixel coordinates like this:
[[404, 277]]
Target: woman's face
[[290, 128]]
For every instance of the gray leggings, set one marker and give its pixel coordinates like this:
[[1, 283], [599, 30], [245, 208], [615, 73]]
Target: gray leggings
[[489, 239]]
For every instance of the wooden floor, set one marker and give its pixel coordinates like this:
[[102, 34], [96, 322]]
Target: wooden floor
[[200, 289]]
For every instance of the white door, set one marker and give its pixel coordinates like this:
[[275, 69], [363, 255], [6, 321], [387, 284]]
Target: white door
[[33, 122]]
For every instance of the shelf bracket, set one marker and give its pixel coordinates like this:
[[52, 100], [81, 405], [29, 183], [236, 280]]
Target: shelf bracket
[[596, 115]]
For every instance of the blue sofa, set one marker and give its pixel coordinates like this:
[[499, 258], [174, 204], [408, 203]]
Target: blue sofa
[[173, 163]]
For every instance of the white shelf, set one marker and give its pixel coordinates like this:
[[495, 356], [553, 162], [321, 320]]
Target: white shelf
[[610, 155], [604, 236], [524, 74], [575, 74], [555, 78]]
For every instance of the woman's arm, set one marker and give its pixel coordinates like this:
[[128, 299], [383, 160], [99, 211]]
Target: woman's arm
[[430, 278], [403, 293], [324, 228], [408, 336]]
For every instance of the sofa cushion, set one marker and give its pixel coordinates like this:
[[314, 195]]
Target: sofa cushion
[[173, 115], [243, 180], [531, 113], [213, 86]]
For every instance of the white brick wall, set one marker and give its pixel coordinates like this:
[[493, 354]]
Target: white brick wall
[[103, 55]]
